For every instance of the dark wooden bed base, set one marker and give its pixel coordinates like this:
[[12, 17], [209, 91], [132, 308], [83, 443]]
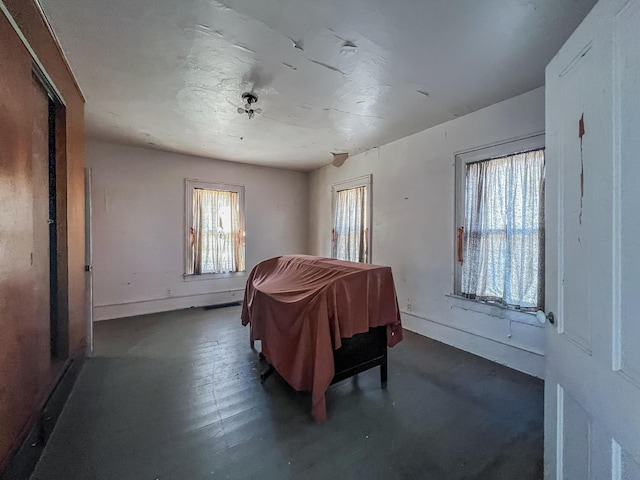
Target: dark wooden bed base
[[357, 354], [362, 352]]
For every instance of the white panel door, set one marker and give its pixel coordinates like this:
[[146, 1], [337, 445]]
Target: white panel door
[[592, 385]]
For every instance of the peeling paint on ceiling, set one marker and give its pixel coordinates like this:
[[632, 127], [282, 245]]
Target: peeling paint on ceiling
[[331, 76]]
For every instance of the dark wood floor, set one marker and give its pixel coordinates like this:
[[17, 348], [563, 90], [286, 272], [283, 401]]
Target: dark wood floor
[[177, 396]]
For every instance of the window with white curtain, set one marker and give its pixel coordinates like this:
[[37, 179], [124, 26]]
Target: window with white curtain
[[351, 235], [215, 228], [500, 236]]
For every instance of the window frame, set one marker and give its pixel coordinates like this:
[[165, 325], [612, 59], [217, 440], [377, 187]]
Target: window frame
[[506, 148], [190, 186], [363, 181]]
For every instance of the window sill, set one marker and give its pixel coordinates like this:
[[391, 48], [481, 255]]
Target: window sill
[[494, 310], [211, 276]]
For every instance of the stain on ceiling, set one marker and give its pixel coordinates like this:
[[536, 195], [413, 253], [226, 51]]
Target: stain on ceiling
[[330, 76]]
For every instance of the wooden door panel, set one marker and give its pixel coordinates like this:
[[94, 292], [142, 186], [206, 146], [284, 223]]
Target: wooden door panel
[[592, 383], [574, 320], [576, 448], [40, 205], [24, 235], [627, 214]]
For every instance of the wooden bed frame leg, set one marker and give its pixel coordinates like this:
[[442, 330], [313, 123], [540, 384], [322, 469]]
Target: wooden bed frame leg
[[266, 374], [383, 372]]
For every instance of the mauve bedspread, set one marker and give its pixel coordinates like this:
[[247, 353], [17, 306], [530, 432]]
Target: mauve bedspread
[[300, 307]]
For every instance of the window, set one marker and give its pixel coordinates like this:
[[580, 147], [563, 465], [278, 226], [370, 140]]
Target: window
[[351, 235], [500, 213], [215, 228]]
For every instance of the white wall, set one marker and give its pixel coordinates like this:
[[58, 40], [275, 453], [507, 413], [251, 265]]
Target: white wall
[[138, 226], [413, 229]]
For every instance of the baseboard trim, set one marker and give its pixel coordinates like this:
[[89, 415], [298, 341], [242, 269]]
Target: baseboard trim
[[529, 362], [144, 307]]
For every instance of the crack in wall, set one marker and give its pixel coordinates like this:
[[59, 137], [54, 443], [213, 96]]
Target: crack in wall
[[353, 113], [581, 134], [330, 67]]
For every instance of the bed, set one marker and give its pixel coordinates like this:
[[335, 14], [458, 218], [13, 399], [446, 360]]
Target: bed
[[321, 320]]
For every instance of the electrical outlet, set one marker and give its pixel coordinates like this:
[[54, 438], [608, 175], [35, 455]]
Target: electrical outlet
[[409, 307], [168, 292]]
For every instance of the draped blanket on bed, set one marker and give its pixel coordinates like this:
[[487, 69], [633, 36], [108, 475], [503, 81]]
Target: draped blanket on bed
[[300, 307]]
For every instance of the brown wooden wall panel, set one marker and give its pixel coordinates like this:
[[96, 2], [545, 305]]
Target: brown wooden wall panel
[[36, 30], [27, 373]]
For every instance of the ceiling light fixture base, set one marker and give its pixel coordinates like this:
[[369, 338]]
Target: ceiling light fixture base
[[249, 99]]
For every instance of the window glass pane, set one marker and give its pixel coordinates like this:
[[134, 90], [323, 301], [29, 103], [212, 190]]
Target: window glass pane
[[216, 237], [503, 242], [350, 231]]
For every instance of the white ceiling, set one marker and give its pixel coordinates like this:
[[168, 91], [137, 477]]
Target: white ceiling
[[331, 75]]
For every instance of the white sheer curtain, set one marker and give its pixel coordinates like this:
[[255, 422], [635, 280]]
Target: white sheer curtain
[[350, 232], [503, 242], [216, 236]]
